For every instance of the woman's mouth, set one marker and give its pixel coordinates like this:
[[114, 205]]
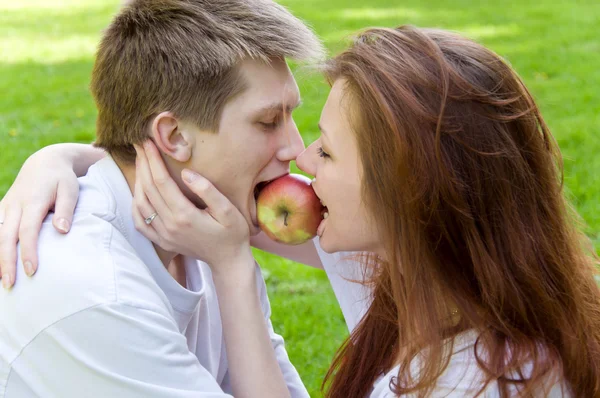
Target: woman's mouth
[[324, 211], [324, 215]]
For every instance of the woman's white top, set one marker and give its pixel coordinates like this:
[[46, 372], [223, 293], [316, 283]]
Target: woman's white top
[[462, 378]]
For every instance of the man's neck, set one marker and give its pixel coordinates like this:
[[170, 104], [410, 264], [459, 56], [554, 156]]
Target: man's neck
[[130, 175]]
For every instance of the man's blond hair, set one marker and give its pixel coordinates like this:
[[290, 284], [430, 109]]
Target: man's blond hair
[[182, 56]]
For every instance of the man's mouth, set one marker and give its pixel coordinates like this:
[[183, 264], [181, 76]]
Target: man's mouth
[[253, 212], [258, 187]]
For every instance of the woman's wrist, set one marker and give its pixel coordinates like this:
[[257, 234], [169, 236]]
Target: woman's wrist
[[253, 366], [76, 157], [235, 274], [85, 155]]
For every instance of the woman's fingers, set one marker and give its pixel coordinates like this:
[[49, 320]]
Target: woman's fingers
[[179, 226], [8, 241], [164, 183], [145, 178], [147, 230], [217, 205], [33, 216], [155, 229], [29, 231], [66, 199]]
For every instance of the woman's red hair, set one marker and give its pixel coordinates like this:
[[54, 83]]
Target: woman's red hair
[[465, 182]]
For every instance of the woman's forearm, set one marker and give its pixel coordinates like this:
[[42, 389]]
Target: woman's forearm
[[253, 367], [80, 156]]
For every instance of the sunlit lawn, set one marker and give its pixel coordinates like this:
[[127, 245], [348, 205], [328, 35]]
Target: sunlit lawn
[[46, 55]]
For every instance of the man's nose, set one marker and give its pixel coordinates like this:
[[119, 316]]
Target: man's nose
[[291, 144]]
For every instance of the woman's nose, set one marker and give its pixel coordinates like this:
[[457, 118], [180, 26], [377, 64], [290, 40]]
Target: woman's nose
[[305, 161]]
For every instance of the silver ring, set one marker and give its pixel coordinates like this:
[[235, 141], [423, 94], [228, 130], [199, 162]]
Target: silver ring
[[149, 220]]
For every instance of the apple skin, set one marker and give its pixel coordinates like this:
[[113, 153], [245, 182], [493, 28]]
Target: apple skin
[[288, 210]]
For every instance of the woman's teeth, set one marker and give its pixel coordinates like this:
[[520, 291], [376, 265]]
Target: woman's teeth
[[324, 210]]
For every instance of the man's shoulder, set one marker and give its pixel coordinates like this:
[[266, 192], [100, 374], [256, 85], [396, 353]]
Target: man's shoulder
[[91, 266], [81, 263], [95, 257], [75, 270]]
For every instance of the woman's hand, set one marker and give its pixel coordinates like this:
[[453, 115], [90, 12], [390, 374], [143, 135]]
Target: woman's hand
[[47, 181], [217, 235]]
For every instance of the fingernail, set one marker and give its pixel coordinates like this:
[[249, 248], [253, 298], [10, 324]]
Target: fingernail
[[6, 281], [28, 268], [63, 225], [146, 144], [189, 175]]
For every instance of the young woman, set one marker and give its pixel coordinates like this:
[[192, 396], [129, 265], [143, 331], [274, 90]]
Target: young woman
[[444, 195]]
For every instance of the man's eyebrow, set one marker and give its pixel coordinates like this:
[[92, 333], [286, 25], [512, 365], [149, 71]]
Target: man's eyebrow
[[278, 106]]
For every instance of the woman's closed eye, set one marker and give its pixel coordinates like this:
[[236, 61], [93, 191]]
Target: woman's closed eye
[[322, 153]]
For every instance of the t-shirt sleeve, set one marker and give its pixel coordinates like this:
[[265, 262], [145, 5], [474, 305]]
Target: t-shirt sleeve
[[346, 274], [111, 350]]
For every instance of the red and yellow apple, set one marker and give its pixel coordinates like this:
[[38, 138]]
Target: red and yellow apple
[[288, 210]]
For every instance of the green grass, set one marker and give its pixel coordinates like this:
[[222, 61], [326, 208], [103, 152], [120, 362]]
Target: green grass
[[47, 49]]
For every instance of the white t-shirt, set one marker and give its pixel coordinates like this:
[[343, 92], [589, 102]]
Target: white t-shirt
[[462, 378], [104, 318]]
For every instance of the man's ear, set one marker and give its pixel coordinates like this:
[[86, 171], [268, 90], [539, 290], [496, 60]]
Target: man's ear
[[171, 137]]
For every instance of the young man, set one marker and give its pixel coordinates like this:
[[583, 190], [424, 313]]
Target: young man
[[207, 82]]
